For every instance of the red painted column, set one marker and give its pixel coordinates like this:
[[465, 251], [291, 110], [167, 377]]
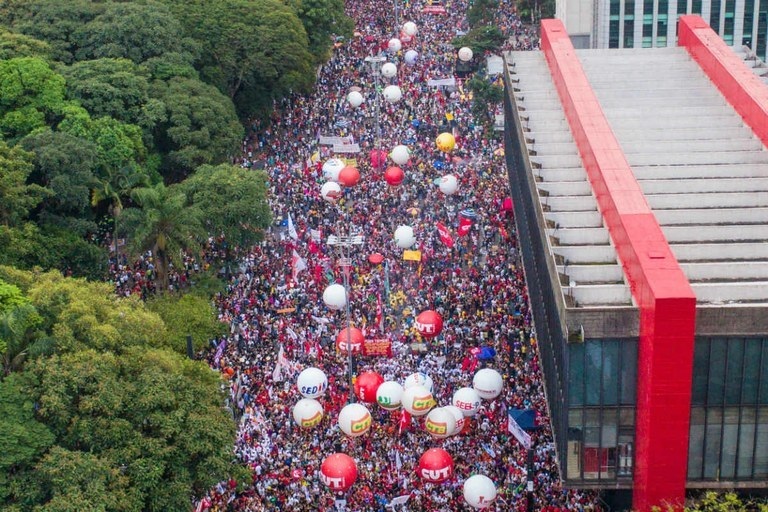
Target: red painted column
[[746, 93], [660, 288]]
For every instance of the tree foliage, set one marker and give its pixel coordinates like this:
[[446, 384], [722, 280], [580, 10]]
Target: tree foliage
[[481, 39], [17, 197], [187, 315], [13, 46], [482, 12], [322, 20]]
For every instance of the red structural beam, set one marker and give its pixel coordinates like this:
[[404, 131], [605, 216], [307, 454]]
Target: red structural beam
[[737, 83], [659, 287]]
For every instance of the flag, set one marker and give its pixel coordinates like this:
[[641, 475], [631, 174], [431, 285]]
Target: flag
[[398, 462], [468, 213], [405, 422], [445, 234], [315, 235], [292, 229], [298, 264], [521, 435], [465, 223], [379, 312], [277, 375]]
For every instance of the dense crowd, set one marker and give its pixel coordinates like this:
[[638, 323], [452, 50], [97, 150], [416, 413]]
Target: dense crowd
[[477, 286]]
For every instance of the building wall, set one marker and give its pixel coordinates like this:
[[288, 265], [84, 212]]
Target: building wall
[[578, 16]]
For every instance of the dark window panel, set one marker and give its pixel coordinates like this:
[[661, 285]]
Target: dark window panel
[[700, 371], [713, 438], [610, 372], [576, 373], [761, 445], [696, 444], [629, 372], [593, 371], [734, 371], [746, 444], [730, 442], [716, 385], [753, 348]]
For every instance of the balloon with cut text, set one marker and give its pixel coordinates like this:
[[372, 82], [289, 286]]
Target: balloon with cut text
[[350, 340], [440, 423], [418, 379], [355, 420], [307, 412], [435, 466], [366, 386], [338, 472], [418, 401], [479, 491], [312, 382], [335, 297], [429, 323], [488, 383], [389, 395], [467, 400]]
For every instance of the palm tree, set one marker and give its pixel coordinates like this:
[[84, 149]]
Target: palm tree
[[165, 224], [17, 337]]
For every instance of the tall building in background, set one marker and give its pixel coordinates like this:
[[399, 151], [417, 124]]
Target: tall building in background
[[652, 23]]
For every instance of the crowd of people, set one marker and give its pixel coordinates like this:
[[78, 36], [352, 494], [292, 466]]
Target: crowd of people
[[280, 325]]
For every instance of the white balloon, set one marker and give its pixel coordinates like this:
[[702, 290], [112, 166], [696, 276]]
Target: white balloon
[[418, 379], [467, 400], [330, 191], [355, 99], [389, 395], [458, 416], [312, 382], [394, 45], [449, 184], [400, 154], [479, 491], [488, 383], [307, 412], [355, 420], [404, 237], [417, 400], [331, 169], [410, 28], [440, 423], [388, 70], [335, 297], [392, 93], [411, 56], [465, 54]]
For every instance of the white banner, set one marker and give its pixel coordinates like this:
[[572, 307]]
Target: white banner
[[446, 82], [346, 148], [400, 500], [521, 435], [330, 140]]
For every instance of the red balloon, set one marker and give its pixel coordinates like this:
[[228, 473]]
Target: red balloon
[[429, 323], [394, 176], [375, 258], [338, 472], [356, 338], [435, 466], [378, 157], [349, 176], [366, 385]]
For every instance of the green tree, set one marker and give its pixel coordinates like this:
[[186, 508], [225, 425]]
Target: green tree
[[165, 224], [142, 431], [17, 197], [483, 38], [486, 96], [13, 46], [18, 337], [482, 12], [11, 297], [187, 315], [31, 95], [199, 127], [323, 19], [712, 501], [132, 30], [233, 201]]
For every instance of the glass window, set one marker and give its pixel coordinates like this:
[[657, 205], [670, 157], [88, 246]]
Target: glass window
[[746, 443], [647, 23], [696, 7], [764, 374], [733, 371], [749, 17], [611, 372], [629, 23], [628, 372], [700, 370], [717, 352], [730, 442], [729, 22], [661, 23], [751, 377], [713, 437], [761, 445], [576, 373], [696, 444], [593, 371], [714, 16]]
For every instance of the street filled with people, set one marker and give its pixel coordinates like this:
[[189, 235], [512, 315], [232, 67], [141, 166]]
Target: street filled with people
[[454, 256]]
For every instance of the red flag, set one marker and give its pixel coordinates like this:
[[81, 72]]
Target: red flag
[[405, 422], [464, 225], [445, 234]]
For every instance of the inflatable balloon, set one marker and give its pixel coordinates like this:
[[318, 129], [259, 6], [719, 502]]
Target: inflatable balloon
[[417, 400], [394, 45], [394, 176], [388, 70], [378, 157], [335, 297], [338, 472], [488, 383], [400, 154], [436, 466], [479, 491], [445, 142], [404, 237], [390, 395], [429, 323], [349, 176], [418, 379], [366, 386], [331, 191], [467, 400], [307, 412], [355, 420], [355, 339], [458, 416], [410, 28], [331, 169], [312, 382], [440, 423], [448, 184], [355, 99], [392, 93], [411, 56], [465, 54]]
